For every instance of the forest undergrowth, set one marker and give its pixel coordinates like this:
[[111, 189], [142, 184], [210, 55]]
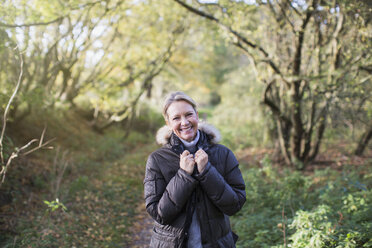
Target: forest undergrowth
[[323, 208], [86, 192], [82, 193]]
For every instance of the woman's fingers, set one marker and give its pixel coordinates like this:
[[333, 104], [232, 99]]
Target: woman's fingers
[[190, 158], [187, 162], [201, 158], [185, 153], [201, 154]]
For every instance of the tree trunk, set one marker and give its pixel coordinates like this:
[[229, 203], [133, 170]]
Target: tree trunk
[[283, 141], [297, 130], [363, 142]]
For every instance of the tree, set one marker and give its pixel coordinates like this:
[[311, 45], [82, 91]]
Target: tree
[[101, 55], [306, 53]]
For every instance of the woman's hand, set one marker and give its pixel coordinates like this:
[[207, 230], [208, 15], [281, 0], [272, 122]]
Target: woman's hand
[[201, 159], [187, 162]]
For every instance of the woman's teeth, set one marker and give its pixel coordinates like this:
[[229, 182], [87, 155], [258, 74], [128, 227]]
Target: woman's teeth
[[185, 129]]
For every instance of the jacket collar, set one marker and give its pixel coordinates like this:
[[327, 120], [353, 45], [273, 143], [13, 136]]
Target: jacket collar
[[178, 147]]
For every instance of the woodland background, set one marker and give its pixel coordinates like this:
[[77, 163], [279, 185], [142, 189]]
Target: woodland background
[[287, 83]]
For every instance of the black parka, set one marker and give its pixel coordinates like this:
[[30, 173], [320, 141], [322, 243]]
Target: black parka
[[217, 193]]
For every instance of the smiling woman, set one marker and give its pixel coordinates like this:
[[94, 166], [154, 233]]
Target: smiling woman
[[192, 184]]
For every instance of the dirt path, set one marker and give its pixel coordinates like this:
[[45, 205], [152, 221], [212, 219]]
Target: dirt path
[[141, 229]]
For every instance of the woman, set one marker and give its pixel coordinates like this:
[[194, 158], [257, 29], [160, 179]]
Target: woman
[[192, 183]]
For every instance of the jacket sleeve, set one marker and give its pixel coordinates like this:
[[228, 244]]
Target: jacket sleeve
[[228, 192], [165, 201]]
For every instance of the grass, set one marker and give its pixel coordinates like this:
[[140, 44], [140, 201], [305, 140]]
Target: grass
[[101, 187]]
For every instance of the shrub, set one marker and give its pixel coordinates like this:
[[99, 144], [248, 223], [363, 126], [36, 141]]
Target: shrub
[[325, 209]]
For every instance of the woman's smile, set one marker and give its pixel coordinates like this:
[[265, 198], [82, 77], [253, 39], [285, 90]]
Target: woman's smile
[[185, 129]]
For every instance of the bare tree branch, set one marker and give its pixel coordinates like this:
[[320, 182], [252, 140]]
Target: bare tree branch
[[286, 17], [5, 116], [295, 10], [39, 147], [31, 24], [240, 37], [198, 12], [18, 152]]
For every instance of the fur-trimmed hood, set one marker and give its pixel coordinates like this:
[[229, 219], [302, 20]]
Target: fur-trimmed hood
[[164, 133]]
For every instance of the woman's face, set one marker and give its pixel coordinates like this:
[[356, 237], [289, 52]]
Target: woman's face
[[183, 120]]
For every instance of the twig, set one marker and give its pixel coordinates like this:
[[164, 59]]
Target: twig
[[15, 240], [5, 116], [18, 151], [42, 136], [16, 154], [283, 227], [59, 168], [30, 24], [39, 147]]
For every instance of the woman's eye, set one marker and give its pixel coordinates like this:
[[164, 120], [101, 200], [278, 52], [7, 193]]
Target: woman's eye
[[176, 118]]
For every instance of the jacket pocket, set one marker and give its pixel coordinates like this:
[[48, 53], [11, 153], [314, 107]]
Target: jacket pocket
[[162, 239], [227, 241]]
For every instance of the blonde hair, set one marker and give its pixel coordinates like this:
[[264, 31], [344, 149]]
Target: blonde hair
[[176, 97]]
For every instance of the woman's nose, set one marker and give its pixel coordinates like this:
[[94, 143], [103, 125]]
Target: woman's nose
[[184, 120]]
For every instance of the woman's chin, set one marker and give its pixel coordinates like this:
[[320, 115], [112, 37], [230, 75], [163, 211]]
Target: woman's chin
[[188, 137]]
